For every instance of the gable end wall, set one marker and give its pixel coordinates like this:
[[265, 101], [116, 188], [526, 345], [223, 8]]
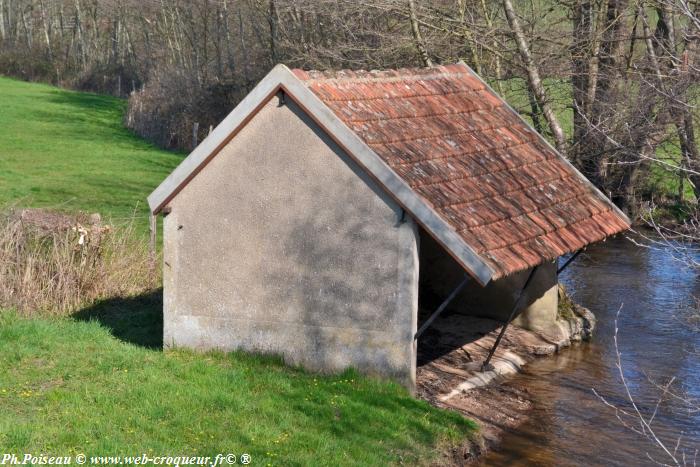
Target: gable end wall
[[283, 245]]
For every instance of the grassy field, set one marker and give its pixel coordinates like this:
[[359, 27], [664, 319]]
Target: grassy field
[[98, 383], [69, 151]]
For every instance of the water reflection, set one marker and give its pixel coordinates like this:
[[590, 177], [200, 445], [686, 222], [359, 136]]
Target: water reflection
[[570, 426]]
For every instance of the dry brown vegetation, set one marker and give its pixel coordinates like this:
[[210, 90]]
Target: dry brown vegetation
[[54, 263]]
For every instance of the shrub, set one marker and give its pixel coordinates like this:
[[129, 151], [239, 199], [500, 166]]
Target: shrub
[[54, 263], [113, 79], [166, 109], [27, 66]]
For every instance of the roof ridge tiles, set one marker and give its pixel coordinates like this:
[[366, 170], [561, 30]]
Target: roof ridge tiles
[[375, 76]]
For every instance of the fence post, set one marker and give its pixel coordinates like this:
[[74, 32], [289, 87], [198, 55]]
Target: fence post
[[153, 226]]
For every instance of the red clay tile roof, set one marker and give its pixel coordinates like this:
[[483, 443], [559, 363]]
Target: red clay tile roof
[[505, 191]]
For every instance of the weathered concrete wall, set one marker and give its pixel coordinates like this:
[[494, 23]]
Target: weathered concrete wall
[[542, 300], [440, 274], [283, 245]]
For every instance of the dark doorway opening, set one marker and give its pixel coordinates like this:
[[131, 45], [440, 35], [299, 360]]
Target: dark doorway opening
[[458, 324]]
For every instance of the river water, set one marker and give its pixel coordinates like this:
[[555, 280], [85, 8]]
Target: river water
[[570, 425]]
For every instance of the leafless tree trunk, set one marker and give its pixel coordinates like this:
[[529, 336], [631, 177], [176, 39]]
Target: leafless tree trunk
[[533, 77], [272, 20], [47, 31], [80, 39], [244, 49], [494, 44], [227, 36], [26, 25], [2, 20], [582, 57], [417, 37]]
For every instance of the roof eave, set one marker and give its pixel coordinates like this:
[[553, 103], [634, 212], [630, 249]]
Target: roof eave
[[582, 177]]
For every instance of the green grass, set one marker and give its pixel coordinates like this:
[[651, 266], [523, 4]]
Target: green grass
[[71, 386], [69, 150], [559, 92]]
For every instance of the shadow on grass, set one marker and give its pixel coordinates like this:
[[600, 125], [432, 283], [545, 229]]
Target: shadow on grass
[[89, 102], [137, 320]]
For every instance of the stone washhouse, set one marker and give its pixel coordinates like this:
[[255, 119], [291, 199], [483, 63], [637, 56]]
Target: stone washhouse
[[327, 207]]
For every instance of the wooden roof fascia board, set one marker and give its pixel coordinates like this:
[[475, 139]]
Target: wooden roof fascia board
[[549, 145], [281, 78]]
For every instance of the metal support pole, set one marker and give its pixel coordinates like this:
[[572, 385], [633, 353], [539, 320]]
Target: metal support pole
[[442, 307], [485, 365], [569, 261]]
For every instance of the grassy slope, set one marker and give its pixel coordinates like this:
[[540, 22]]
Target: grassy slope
[[71, 387], [69, 150], [103, 387]]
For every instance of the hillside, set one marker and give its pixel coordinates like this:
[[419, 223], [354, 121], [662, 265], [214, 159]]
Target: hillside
[[69, 151]]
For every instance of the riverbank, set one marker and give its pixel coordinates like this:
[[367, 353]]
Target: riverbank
[[449, 372]]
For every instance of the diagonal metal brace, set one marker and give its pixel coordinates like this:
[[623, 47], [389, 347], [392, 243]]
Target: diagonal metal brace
[[569, 261], [485, 366], [442, 307]]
